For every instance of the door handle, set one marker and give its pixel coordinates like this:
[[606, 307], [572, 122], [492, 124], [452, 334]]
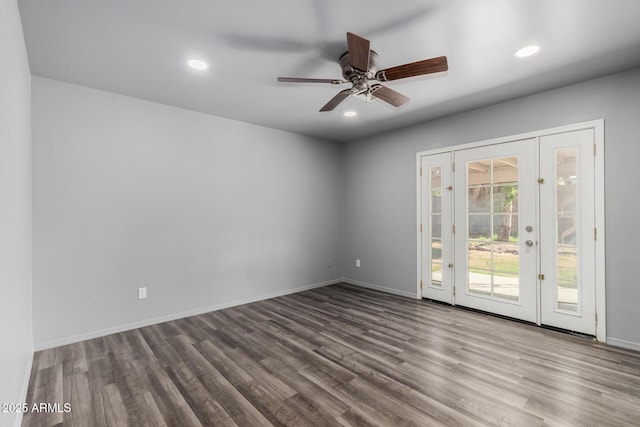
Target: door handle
[[529, 243]]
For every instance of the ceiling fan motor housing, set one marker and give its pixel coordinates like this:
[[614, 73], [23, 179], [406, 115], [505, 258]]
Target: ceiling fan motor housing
[[353, 74]]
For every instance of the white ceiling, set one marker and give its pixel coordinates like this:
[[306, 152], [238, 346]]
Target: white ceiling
[[139, 48]]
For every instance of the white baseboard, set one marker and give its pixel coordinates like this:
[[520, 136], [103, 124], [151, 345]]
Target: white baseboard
[[623, 343], [380, 288], [25, 389], [153, 321]]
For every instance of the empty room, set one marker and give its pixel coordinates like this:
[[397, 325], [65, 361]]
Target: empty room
[[313, 212]]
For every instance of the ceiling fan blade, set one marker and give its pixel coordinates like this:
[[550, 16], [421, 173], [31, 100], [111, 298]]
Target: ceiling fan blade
[[358, 52], [419, 68], [388, 95], [336, 100], [305, 80]]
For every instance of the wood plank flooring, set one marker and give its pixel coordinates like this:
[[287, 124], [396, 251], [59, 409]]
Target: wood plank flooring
[[338, 355]]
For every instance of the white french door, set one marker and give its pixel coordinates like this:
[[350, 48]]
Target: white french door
[[495, 214], [509, 228], [567, 209], [436, 224]]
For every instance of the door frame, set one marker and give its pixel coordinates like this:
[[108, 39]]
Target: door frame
[[598, 130]]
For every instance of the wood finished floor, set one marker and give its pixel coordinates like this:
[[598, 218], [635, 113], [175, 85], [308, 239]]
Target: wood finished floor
[[338, 355]]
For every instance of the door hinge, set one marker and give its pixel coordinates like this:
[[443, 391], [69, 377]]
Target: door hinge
[[420, 284], [540, 180], [454, 291], [594, 149], [595, 234], [420, 170], [453, 166], [596, 316], [421, 228], [541, 276], [454, 229]]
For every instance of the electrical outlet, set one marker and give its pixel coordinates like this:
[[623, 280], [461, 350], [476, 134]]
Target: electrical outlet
[[357, 263], [142, 293]]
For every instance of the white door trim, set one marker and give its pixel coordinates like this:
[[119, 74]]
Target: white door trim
[[598, 126], [601, 327]]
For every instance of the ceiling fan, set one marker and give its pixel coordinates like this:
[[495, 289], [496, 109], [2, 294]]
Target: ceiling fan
[[360, 65]]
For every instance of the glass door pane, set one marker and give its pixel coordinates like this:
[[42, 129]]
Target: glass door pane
[[567, 240], [435, 174], [492, 228]]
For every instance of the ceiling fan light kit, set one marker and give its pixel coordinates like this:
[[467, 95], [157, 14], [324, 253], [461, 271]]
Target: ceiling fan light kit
[[360, 65]]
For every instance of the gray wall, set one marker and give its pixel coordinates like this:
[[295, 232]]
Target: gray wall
[[16, 343], [381, 186], [203, 211]]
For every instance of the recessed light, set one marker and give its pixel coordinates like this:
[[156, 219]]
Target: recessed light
[[527, 51], [350, 113], [197, 64]]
